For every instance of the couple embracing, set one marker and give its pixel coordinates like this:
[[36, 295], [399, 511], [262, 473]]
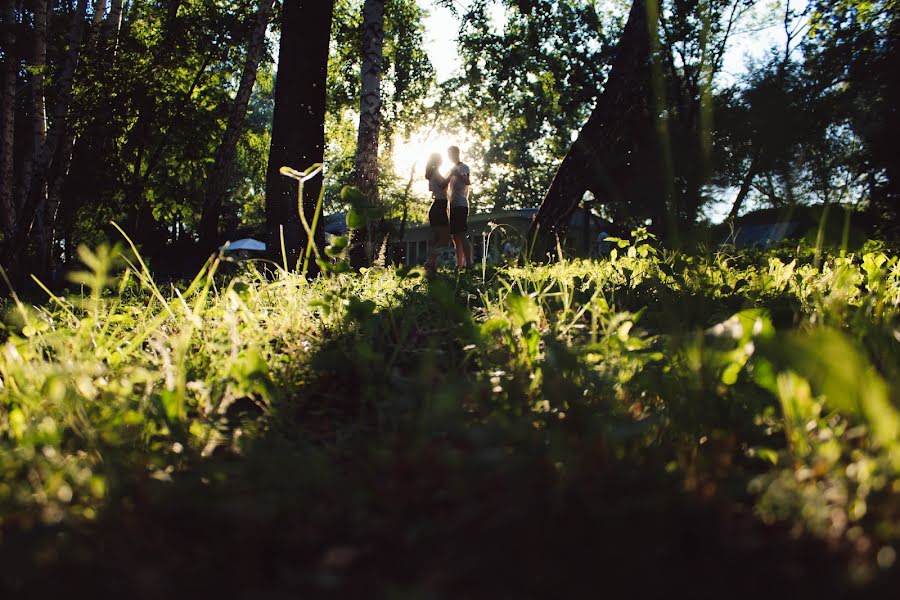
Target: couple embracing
[[447, 225]]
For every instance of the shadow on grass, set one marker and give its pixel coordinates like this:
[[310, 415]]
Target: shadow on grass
[[391, 470]]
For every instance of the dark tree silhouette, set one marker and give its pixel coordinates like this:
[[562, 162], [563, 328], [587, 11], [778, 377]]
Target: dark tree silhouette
[[217, 184], [615, 153], [298, 128]]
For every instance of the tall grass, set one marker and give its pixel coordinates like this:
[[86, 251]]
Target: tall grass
[[734, 372]]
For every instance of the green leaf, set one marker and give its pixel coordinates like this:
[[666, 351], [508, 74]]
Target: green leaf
[[839, 370], [353, 196], [355, 220], [494, 325], [522, 310], [767, 454], [337, 246]]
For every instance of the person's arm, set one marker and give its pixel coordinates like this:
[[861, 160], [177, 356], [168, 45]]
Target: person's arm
[[463, 176]]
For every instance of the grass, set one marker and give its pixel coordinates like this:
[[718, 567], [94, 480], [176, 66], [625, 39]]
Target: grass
[[724, 423]]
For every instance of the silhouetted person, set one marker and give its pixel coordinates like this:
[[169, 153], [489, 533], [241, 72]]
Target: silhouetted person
[[438, 215], [460, 184]]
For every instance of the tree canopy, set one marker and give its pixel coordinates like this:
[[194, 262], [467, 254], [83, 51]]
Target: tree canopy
[[121, 111]]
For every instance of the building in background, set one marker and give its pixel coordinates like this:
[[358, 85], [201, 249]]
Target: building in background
[[499, 235]]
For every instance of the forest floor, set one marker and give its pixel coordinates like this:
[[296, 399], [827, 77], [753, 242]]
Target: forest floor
[[650, 425]]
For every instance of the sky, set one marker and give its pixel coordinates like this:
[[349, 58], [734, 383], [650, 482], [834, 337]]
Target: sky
[[752, 40]]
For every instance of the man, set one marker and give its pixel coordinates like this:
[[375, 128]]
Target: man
[[460, 184]]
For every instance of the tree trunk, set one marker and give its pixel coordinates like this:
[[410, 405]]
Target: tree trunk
[[39, 101], [7, 118], [622, 107], [298, 124], [43, 218], [40, 64], [370, 99], [746, 184], [363, 249], [217, 181], [56, 134], [46, 236], [759, 148], [99, 10], [111, 27]]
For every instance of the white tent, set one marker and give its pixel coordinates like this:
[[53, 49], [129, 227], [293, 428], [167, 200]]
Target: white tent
[[245, 244]]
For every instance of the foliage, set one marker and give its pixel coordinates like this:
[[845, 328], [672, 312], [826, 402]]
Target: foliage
[[850, 45], [407, 81], [150, 114], [366, 419], [528, 83]]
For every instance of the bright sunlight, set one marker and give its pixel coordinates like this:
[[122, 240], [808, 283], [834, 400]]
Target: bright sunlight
[[411, 155]]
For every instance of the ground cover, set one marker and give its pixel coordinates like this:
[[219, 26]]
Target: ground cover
[[724, 423]]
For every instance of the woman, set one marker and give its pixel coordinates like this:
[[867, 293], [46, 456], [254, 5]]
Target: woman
[[438, 215]]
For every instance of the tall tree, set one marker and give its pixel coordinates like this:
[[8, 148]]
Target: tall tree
[[56, 142], [217, 182], [793, 28], [370, 98], [7, 117], [99, 10], [38, 68], [853, 49], [620, 126], [526, 88], [407, 82], [112, 25], [366, 163], [298, 123], [645, 151], [46, 215]]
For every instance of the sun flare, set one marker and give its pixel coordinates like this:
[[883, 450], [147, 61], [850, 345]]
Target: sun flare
[[411, 155]]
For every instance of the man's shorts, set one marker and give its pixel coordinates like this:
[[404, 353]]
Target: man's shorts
[[459, 217]]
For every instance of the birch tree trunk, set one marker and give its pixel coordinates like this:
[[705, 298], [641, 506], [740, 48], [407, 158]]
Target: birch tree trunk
[[363, 249], [370, 99], [298, 124], [217, 182], [7, 118], [111, 27], [44, 155], [99, 10]]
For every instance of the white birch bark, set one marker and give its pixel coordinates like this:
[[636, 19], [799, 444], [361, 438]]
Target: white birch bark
[[45, 154], [370, 99], [112, 25], [99, 11], [363, 243]]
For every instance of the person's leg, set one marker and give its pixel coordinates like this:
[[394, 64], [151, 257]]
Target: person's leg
[[455, 231], [444, 241], [439, 219], [463, 230], [459, 242], [441, 242], [429, 263]]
